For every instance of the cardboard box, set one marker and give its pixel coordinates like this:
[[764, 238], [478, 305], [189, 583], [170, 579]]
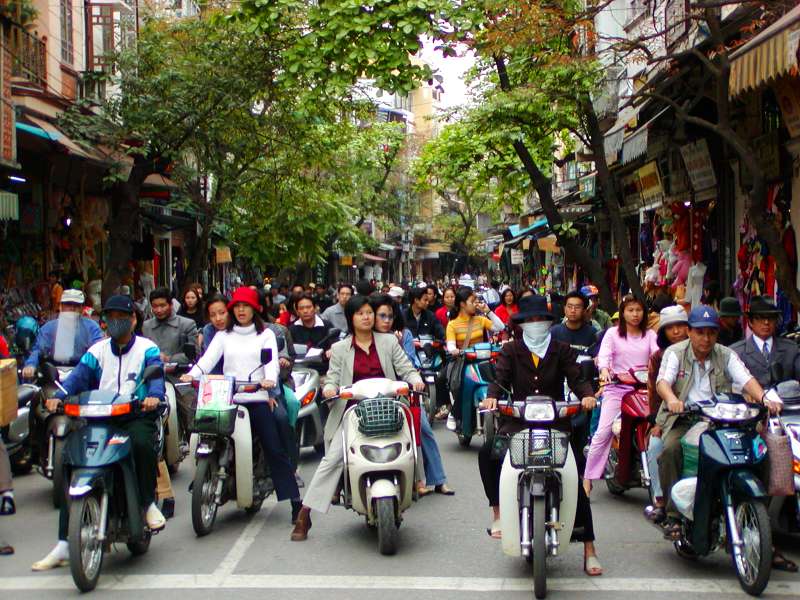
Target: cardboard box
[[8, 391]]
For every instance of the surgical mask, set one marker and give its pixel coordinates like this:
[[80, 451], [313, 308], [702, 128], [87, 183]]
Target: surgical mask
[[64, 348], [537, 336], [118, 328]]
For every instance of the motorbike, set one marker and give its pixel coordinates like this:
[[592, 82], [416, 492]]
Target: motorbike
[[229, 466], [538, 484], [175, 446], [478, 373], [726, 504], [380, 454], [309, 366], [103, 493], [48, 430], [16, 435], [627, 466], [429, 354], [785, 511]]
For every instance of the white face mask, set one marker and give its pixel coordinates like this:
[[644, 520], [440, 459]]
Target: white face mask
[[64, 347], [536, 336]]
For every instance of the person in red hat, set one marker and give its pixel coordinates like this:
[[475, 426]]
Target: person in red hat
[[239, 346]]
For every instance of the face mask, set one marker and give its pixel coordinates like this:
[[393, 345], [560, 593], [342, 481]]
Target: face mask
[[118, 328], [537, 336]]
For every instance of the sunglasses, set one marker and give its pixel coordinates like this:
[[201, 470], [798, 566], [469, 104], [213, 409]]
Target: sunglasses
[[385, 317]]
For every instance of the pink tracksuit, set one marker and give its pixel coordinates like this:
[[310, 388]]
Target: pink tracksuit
[[617, 354]]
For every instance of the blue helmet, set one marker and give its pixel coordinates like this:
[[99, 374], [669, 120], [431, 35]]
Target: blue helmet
[[26, 329]]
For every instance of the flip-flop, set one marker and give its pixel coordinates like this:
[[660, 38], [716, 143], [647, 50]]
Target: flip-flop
[[592, 566], [423, 491], [781, 563], [6, 548], [494, 531]]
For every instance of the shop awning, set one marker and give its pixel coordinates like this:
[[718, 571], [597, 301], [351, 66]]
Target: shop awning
[[156, 180], [635, 145], [615, 135], [372, 257], [9, 206], [59, 137], [770, 54], [539, 229]]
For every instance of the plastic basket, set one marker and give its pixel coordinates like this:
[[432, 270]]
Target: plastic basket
[[379, 416], [216, 421], [539, 448]]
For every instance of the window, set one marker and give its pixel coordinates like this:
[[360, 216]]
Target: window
[[66, 31]]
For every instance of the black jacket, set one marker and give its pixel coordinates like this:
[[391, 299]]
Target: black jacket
[[428, 324], [783, 352]]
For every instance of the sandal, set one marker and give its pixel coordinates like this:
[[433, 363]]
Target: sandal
[[442, 413], [7, 505], [423, 491], [672, 530], [781, 563], [592, 566], [444, 490], [494, 531]]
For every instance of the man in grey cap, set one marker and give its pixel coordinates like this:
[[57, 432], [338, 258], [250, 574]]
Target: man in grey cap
[[730, 326], [694, 370], [66, 338], [763, 349]]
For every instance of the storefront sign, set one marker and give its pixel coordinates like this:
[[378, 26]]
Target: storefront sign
[[698, 165], [346, 261], [549, 244], [516, 256], [650, 182], [630, 188], [587, 186], [788, 94], [223, 255]]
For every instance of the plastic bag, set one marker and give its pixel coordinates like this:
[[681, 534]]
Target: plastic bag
[[683, 494], [690, 444]]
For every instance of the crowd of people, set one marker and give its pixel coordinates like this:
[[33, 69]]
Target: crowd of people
[[689, 352]]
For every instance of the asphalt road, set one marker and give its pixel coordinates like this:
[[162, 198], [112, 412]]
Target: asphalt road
[[444, 552]]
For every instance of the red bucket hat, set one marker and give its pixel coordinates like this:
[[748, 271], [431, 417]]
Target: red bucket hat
[[246, 295]]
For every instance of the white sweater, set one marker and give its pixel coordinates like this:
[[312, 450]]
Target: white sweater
[[241, 351]]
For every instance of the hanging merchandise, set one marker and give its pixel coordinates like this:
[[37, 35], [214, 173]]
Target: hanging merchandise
[[699, 217], [646, 243], [694, 283]]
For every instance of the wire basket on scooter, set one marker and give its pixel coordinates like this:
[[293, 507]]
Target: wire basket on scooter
[[538, 448], [379, 416]]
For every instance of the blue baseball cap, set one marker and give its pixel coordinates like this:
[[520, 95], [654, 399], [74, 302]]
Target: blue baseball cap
[[703, 316], [120, 303]]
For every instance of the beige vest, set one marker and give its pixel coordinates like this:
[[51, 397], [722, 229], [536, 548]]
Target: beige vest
[[720, 382]]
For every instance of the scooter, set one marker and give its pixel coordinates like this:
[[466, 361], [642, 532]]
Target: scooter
[[627, 466], [310, 425], [785, 511], [478, 373], [229, 465], [726, 504], [538, 484], [175, 446], [429, 354], [16, 435], [380, 454], [103, 493], [48, 431]]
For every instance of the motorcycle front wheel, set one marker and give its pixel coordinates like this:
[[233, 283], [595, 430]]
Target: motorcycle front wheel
[[754, 563], [538, 547], [204, 505], [611, 474], [85, 550], [387, 526]]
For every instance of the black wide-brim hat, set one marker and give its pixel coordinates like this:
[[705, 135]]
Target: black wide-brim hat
[[763, 306], [532, 306]]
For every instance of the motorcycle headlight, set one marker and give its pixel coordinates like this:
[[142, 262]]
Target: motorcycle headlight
[[483, 354], [724, 411], [540, 411], [381, 454]]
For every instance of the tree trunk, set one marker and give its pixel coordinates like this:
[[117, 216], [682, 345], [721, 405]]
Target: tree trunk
[[611, 202], [122, 229], [199, 252]]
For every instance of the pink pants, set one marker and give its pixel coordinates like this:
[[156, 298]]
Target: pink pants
[[601, 440]]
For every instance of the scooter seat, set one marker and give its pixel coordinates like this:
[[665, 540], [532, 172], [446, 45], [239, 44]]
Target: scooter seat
[[25, 395]]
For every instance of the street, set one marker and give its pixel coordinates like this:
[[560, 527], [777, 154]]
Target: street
[[444, 552]]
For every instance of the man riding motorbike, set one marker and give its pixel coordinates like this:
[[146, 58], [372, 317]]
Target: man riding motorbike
[[759, 353], [310, 328], [419, 320], [106, 366], [335, 314], [686, 374], [66, 338], [537, 364]]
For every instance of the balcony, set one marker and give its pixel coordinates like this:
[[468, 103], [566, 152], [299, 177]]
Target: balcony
[[29, 56]]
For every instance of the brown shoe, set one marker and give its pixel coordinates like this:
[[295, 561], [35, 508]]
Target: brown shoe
[[303, 524]]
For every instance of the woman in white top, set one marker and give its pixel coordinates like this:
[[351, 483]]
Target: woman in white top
[[240, 348]]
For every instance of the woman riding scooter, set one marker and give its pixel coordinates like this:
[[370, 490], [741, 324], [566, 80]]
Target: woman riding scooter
[[536, 364], [361, 355], [239, 346]]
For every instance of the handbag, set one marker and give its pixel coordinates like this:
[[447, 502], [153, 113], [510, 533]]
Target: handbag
[[779, 453]]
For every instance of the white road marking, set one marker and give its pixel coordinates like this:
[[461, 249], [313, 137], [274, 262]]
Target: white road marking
[[245, 540], [228, 581]]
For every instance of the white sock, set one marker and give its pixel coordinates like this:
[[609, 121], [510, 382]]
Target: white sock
[[61, 550], [8, 493]]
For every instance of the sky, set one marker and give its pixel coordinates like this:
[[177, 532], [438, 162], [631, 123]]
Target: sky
[[452, 70]]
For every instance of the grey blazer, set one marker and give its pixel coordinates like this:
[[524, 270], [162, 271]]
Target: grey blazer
[[394, 362], [783, 351]]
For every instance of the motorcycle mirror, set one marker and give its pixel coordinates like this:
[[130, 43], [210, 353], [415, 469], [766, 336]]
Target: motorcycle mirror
[[776, 373], [266, 356], [153, 372], [190, 350]]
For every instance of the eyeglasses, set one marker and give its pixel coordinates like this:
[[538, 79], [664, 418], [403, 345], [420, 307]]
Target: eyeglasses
[[384, 317]]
